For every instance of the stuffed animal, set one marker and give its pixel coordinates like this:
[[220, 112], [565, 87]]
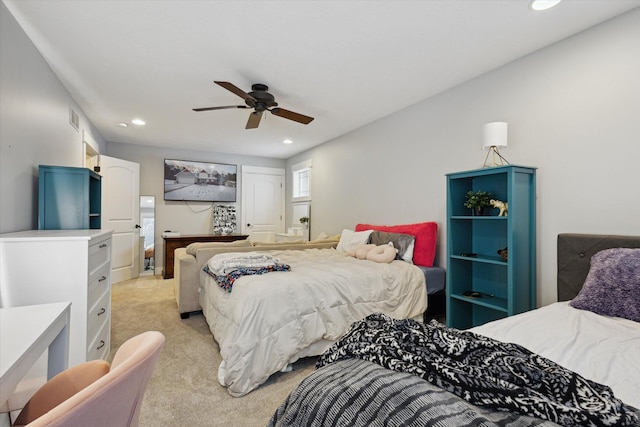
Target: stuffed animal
[[503, 206], [378, 253], [504, 254]]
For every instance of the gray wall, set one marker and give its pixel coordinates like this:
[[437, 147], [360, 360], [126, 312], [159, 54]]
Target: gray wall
[[573, 111], [34, 125], [185, 217], [35, 129]]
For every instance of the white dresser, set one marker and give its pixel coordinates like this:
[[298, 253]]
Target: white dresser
[[44, 266]]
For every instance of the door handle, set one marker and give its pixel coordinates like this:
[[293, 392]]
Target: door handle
[[138, 226], [248, 225]]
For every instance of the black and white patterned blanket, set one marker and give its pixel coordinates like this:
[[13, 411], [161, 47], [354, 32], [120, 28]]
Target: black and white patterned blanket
[[225, 281], [498, 383]]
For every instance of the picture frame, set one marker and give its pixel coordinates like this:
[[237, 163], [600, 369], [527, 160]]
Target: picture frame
[[196, 181]]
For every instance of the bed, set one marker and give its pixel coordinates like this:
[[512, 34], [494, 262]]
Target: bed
[[354, 388], [266, 322]]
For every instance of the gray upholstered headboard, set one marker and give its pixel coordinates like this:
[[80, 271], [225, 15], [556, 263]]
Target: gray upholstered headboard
[[574, 257]]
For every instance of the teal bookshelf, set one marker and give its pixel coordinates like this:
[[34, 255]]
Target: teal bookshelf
[[502, 288], [68, 198]]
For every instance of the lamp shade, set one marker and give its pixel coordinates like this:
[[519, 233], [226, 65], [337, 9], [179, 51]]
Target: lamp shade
[[495, 135]]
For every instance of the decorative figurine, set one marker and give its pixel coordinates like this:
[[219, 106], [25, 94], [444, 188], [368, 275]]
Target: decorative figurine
[[503, 206]]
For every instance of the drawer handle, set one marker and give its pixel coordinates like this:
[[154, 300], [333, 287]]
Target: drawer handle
[[101, 345], [102, 311], [102, 279], [104, 245]]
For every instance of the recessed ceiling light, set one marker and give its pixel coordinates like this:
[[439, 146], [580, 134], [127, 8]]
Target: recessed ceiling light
[[138, 122], [122, 124], [287, 141], [543, 4]]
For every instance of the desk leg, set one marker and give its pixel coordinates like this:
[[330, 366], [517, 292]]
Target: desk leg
[[58, 358]]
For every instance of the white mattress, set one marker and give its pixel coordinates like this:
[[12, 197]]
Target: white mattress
[[271, 320], [600, 348]]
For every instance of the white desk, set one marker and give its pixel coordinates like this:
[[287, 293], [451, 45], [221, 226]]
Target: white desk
[[25, 333]]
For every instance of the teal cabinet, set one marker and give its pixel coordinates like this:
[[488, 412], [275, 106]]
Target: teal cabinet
[[481, 285], [68, 198]]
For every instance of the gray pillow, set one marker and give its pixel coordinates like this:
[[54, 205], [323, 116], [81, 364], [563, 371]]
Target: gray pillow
[[404, 243], [612, 286]]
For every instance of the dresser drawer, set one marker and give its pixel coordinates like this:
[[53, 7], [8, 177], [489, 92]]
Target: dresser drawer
[[99, 255], [99, 347], [98, 315], [98, 286]]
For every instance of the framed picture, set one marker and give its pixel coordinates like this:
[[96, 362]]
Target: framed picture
[[192, 181]]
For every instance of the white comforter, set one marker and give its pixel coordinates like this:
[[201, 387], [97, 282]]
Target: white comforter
[[271, 320], [601, 348]]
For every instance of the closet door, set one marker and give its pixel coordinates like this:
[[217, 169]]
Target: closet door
[[262, 203], [121, 213]]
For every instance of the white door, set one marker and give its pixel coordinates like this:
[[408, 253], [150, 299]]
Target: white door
[[262, 203], [121, 213]]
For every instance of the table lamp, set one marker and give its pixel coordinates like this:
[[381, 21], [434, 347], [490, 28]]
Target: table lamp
[[495, 137]]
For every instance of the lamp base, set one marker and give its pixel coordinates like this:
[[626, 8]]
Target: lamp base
[[497, 158]]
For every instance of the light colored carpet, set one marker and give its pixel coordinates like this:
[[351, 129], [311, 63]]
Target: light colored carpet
[[184, 390]]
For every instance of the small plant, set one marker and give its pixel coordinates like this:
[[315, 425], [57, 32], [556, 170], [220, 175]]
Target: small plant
[[304, 220], [478, 200]]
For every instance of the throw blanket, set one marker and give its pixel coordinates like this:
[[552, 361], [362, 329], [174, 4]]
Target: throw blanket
[[227, 268], [481, 370], [225, 281], [225, 263], [357, 393]]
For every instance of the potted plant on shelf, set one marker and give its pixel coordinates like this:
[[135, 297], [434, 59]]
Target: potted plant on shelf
[[477, 201], [304, 221]]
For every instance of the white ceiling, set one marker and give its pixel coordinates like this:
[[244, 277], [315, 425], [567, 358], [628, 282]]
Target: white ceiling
[[346, 63]]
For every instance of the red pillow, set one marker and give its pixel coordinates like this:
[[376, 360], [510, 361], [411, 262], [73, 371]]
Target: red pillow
[[424, 251]]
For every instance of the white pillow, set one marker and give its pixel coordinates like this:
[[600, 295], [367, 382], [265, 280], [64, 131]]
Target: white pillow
[[408, 254], [322, 236], [350, 239]]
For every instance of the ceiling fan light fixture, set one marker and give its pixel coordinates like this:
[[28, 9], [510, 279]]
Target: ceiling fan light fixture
[[287, 141], [539, 5], [138, 122], [260, 100], [122, 124]]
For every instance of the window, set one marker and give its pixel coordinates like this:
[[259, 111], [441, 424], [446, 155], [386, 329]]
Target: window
[[301, 183], [301, 180]]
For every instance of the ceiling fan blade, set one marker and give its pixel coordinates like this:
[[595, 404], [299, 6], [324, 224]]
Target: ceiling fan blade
[[254, 120], [235, 89], [219, 108], [291, 115]]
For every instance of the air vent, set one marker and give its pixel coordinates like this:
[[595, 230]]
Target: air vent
[[74, 119]]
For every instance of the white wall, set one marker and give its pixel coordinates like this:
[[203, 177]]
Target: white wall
[[573, 111], [34, 125], [185, 217]]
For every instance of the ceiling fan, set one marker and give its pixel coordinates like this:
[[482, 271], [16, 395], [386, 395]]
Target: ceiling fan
[[260, 100]]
